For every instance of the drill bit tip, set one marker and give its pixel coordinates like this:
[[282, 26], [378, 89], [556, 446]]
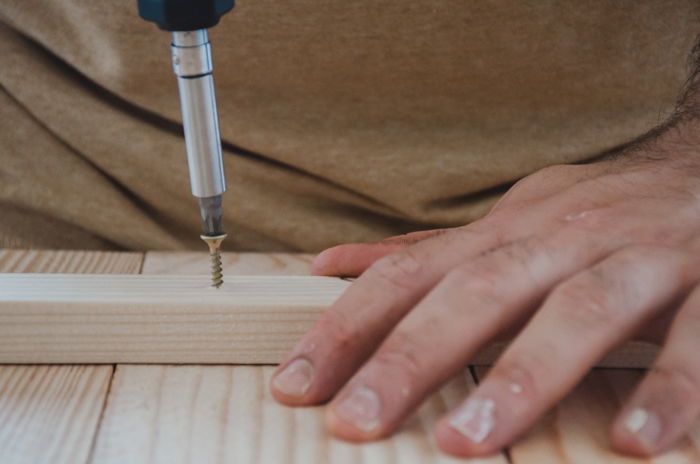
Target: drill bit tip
[[214, 244]]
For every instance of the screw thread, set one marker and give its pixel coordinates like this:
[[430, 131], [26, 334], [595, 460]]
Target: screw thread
[[214, 244], [217, 274]]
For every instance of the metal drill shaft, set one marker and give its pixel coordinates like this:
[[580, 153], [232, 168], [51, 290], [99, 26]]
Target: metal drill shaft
[[193, 66], [214, 243]]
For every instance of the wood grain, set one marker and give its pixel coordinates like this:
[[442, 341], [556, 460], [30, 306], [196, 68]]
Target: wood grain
[[64, 318], [222, 414], [55, 318], [49, 414], [72, 262], [576, 430], [192, 263], [183, 414]]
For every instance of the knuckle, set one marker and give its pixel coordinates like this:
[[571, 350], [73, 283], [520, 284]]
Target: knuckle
[[657, 265], [519, 256], [521, 252], [398, 269], [609, 293], [520, 373], [335, 327], [634, 252], [582, 304], [490, 230], [400, 357], [479, 281], [649, 253], [484, 278]]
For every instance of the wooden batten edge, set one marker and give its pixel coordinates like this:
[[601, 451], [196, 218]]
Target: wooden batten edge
[[631, 355], [72, 318], [166, 289]]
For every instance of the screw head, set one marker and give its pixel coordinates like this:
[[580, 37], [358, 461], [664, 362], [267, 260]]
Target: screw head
[[213, 241]]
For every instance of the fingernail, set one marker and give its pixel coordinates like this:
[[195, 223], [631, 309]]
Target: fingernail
[[295, 379], [474, 419], [361, 409], [645, 426]]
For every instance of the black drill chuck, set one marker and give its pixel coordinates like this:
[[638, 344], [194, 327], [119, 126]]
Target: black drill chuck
[[184, 15]]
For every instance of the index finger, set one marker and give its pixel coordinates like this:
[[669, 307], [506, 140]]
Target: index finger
[[347, 333], [353, 259]]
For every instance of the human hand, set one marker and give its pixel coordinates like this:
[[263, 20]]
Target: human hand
[[572, 261]]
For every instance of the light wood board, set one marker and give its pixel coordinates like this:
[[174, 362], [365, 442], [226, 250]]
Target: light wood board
[[70, 261], [64, 318], [191, 263], [576, 430], [221, 414], [224, 414], [633, 355], [49, 414]]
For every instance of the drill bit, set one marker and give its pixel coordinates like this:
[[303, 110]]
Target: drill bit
[[212, 218], [192, 64], [214, 243], [188, 21]]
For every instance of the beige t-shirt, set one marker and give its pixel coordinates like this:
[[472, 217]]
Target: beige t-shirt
[[341, 121]]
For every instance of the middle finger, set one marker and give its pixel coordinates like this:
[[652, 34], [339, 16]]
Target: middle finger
[[468, 307]]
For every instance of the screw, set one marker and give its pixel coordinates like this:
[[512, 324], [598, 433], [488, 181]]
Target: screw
[[214, 243]]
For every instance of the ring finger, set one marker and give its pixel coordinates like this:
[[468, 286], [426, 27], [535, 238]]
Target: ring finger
[[580, 321]]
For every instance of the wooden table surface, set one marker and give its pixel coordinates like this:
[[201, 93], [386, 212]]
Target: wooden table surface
[[224, 414]]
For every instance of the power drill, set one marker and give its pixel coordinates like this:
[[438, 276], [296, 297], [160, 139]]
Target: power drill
[[188, 20]]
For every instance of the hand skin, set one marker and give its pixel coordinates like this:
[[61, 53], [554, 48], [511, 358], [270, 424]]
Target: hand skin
[[570, 263]]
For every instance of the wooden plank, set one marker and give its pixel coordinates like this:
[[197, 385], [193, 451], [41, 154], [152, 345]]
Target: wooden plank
[[55, 318], [49, 414], [632, 355], [195, 263], [63, 318], [576, 430], [71, 262], [221, 414]]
